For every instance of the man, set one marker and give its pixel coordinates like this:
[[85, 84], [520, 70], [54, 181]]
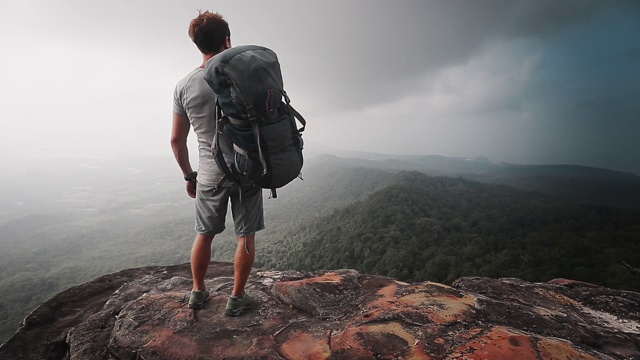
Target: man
[[193, 106]]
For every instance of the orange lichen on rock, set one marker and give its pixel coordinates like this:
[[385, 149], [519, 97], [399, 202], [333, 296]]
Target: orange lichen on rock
[[166, 342], [330, 277], [324, 295], [370, 341], [385, 297], [301, 345], [429, 302], [500, 343]]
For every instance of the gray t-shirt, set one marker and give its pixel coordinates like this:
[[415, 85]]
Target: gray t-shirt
[[195, 99]]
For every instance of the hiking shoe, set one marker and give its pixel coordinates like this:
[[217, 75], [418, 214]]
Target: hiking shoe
[[197, 299], [235, 305]]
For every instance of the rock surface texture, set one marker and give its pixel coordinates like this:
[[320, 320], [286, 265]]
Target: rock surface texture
[[143, 314]]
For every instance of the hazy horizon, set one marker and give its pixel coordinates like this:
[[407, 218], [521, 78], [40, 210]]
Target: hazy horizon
[[523, 82], [21, 164]]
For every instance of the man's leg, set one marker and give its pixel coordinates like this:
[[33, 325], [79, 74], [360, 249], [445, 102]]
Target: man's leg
[[243, 262], [200, 258], [246, 206]]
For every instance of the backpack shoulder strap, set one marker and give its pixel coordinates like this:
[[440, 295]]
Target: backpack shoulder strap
[[229, 174]]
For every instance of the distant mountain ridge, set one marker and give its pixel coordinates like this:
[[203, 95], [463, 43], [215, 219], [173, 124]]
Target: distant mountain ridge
[[455, 165], [572, 183], [452, 164]]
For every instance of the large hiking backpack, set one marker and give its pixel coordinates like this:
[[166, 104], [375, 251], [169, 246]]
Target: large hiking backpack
[[253, 109]]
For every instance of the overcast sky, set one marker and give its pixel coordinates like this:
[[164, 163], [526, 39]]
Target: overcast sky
[[533, 82]]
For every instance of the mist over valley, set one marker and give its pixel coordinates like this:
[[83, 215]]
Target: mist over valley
[[415, 218]]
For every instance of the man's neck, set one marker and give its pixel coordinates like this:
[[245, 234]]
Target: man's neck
[[206, 57]]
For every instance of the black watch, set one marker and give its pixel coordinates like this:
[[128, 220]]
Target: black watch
[[191, 177]]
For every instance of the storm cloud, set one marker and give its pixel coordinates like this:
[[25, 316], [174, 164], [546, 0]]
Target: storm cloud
[[517, 81]]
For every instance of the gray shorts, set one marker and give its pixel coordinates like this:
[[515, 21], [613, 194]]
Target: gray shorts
[[212, 204]]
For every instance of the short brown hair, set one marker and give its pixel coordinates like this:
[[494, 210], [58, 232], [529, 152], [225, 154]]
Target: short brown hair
[[208, 31]]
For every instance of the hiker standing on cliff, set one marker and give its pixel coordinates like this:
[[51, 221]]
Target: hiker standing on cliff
[[193, 106]]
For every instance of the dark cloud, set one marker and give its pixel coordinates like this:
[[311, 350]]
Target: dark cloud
[[389, 46], [354, 53], [523, 81]]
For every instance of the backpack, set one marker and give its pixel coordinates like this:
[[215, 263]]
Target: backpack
[[254, 111]]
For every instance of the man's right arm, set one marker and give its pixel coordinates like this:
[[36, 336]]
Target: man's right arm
[[179, 134]]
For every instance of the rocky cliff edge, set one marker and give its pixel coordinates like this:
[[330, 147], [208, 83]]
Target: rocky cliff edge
[[143, 314]]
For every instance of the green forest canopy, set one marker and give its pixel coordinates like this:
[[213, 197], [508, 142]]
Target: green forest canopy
[[422, 228]]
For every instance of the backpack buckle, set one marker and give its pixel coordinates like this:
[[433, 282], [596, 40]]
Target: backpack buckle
[[286, 97], [251, 113]]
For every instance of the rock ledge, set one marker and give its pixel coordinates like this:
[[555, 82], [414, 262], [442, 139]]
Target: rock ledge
[[342, 314]]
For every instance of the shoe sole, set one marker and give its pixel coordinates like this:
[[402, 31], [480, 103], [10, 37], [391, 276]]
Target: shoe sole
[[237, 312], [196, 306]]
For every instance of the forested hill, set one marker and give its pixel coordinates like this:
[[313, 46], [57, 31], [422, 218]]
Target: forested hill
[[328, 183], [420, 228], [568, 183]]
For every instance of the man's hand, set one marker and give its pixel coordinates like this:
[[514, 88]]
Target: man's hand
[[191, 188]]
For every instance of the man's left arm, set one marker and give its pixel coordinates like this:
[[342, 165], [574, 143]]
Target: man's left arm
[[179, 134]]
